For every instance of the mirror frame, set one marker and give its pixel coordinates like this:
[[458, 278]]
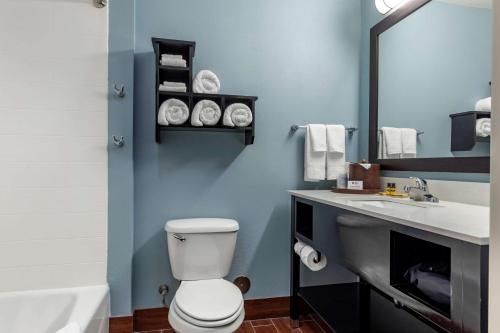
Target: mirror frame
[[439, 164]]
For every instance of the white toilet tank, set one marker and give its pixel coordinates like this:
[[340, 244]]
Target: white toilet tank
[[201, 249]]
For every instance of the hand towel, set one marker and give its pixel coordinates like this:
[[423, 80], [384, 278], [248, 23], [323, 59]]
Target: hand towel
[[318, 137], [206, 82], [171, 56], [205, 112], [335, 138], [483, 127], [409, 142], [174, 62], [237, 114], [392, 138], [314, 161], [483, 105], [173, 112], [174, 84], [70, 328]]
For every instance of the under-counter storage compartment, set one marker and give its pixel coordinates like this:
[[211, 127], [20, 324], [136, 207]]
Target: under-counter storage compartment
[[422, 270]]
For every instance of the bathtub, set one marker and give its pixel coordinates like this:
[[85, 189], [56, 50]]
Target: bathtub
[[47, 311]]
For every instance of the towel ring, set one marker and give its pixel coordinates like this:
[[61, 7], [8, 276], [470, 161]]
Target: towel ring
[[118, 141]]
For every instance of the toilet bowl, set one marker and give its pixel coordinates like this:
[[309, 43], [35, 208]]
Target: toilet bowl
[[201, 252]]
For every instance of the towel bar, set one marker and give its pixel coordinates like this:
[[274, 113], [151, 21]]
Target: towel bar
[[295, 128]]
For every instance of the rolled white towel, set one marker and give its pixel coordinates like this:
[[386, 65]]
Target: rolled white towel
[[70, 328], [173, 112], [483, 127], [237, 114], [205, 112], [483, 105], [206, 82]]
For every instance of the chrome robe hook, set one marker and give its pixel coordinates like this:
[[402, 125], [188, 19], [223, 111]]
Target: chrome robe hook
[[118, 141], [119, 90]]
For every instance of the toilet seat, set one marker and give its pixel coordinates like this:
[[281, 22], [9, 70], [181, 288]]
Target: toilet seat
[[207, 306], [208, 300]]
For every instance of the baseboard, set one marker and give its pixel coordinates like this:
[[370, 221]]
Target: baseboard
[[157, 318], [121, 324]]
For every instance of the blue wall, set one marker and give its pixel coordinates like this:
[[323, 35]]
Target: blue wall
[[302, 60], [371, 17], [120, 162], [435, 63]]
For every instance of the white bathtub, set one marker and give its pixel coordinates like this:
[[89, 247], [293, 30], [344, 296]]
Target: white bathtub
[[47, 311]]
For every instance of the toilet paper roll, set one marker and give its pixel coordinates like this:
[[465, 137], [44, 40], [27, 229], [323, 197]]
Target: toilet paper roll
[[298, 247], [309, 257]]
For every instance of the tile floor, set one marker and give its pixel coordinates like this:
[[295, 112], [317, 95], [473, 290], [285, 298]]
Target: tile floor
[[274, 325]]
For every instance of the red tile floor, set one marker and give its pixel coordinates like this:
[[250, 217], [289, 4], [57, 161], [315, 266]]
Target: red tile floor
[[275, 325]]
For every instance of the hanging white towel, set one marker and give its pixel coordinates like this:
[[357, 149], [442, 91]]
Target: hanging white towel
[[70, 328], [205, 112], [483, 105], [237, 114], [173, 112], [483, 127], [335, 138], [314, 161], [409, 142], [335, 157], [206, 82], [390, 143], [318, 137]]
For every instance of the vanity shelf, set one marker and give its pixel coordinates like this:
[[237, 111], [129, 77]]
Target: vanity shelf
[[463, 130], [185, 75]]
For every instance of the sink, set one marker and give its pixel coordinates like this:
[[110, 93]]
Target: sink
[[389, 203]]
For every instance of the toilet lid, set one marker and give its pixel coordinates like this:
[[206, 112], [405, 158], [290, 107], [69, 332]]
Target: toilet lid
[[208, 300]]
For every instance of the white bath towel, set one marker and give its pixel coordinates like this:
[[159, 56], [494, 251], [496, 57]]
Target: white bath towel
[[205, 112], [206, 82], [335, 157], [483, 105], [173, 112], [409, 142], [173, 86], [70, 328], [171, 56], [174, 62], [314, 161], [335, 138], [237, 114], [483, 127], [390, 144]]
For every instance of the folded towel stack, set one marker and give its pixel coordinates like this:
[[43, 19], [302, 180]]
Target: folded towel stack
[[324, 152], [237, 115], [173, 86], [396, 143], [483, 127], [206, 82], [173, 112], [174, 60], [205, 112], [483, 105]]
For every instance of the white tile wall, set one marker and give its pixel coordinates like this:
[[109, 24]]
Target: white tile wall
[[53, 135]]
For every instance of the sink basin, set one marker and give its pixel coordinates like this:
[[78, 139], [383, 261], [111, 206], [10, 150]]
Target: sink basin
[[388, 203]]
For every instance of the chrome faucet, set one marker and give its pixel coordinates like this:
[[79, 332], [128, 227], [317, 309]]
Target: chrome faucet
[[420, 192]]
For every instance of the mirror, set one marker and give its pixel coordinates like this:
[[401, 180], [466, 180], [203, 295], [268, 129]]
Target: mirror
[[432, 62]]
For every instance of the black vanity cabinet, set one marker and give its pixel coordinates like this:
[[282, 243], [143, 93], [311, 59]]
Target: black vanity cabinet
[[402, 279]]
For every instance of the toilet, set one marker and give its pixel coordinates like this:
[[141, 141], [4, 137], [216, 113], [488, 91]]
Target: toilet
[[201, 252]]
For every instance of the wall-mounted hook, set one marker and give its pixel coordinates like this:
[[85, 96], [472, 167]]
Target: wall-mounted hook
[[100, 3], [119, 91], [118, 141]]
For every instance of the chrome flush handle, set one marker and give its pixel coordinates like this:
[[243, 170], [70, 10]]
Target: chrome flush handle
[[179, 237]]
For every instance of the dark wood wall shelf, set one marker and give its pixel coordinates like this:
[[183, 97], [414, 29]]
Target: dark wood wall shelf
[[463, 130], [185, 74]]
